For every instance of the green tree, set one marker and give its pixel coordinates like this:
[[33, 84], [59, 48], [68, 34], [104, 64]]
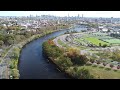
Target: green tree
[[83, 74], [79, 60], [1, 42], [64, 62], [9, 39], [1, 37], [27, 34], [104, 45]]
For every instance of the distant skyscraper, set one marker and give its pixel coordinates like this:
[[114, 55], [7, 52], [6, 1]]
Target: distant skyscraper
[[68, 14], [111, 19], [78, 16], [82, 15], [68, 17]]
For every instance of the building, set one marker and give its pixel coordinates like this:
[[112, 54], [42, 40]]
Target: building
[[104, 29]]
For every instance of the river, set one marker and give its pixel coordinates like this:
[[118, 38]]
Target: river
[[33, 65]]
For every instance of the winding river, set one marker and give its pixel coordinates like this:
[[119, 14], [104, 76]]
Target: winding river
[[33, 65]]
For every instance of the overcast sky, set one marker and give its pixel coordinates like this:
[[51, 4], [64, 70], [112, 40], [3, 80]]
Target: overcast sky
[[63, 13]]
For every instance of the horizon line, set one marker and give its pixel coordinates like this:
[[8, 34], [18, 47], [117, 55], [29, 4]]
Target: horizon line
[[56, 16]]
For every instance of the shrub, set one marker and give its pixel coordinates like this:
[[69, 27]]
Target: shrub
[[115, 70], [104, 45], [94, 65], [79, 59], [98, 62], [75, 69], [88, 63], [104, 64], [118, 67], [91, 60], [83, 74], [108, 68], [14, 73], [99, 44], [64, 62], [111, 65], [101, 66]]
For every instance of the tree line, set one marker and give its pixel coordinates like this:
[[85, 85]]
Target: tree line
[[67, 58]]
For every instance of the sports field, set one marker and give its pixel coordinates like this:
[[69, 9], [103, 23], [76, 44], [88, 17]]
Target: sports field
[[99, 33], [96, 41], [112, 41]]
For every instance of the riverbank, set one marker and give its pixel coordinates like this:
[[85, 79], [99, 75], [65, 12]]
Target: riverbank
[[60, 69], [14, 55], [67, 60], [55, 56], [23, 44], [34, 38]]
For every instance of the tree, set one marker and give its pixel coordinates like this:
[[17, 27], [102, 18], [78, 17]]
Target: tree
[[79, 60], [10, 42], [22, 37], [108, 30], [15, 53], [104, 45], [1, 37], [64, 62], [100, 44], [27, 34], [1, 42], [93, 58], [9, 39], [15, 73], [72, 52], [18, 38], [83, 74], [116, 55], [76, 58]]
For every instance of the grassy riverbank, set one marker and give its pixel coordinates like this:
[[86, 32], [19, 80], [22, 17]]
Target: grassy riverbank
[[67, 60], [15, 55]]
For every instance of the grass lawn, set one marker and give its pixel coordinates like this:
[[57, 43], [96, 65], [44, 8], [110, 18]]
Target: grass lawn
[[79, 41], [113, 41], [61, 43], [95, 41], [102, 73], [99, 33], [81, 47]]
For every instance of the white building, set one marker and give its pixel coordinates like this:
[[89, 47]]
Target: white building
[[105, 29]]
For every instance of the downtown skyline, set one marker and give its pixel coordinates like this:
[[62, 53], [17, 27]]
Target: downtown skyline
[[104, 14]]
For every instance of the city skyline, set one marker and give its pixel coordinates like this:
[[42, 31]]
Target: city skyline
[[115, 14]]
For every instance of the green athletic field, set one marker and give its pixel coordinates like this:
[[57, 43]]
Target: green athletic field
[[113, 41], [96, 41]]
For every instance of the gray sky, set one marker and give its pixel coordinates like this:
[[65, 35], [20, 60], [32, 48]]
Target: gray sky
[[63, 13]]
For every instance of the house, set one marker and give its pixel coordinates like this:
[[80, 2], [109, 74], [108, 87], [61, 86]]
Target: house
[[24, 26], [33, 30], [28, 30], [10, 31], [93, 29], [100, 27], [104, 29]]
